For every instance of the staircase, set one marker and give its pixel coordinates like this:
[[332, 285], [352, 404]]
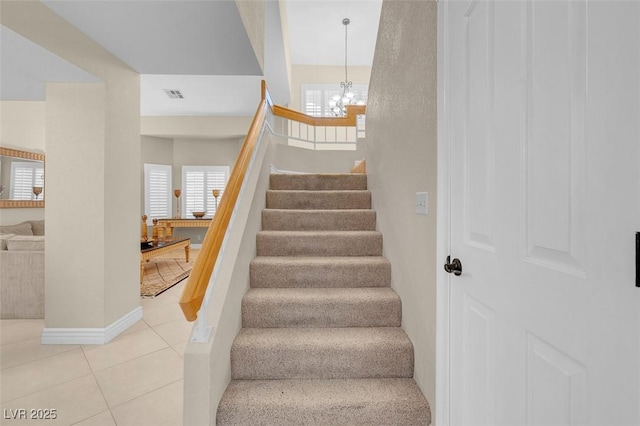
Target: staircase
[[321, 341]]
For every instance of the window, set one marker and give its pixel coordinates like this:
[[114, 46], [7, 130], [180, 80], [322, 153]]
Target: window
[[24, 176], [157, 191], [198, 183], [316, 97]]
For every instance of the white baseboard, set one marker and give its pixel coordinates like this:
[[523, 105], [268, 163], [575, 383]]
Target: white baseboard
[[90, 336]]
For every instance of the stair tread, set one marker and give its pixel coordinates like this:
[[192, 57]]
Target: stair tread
[[346, 260], [307, 338], [321, 307], [319, 182], [322, 402], [316, 232], [319, 243], [329, 271], [311, 200], [321, 294], [321, 353]]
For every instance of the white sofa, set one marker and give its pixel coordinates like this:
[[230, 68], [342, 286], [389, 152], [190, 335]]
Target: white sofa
[[22, 270]]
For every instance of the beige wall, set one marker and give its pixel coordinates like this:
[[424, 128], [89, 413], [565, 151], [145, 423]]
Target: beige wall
[[195, 126], [309, 74], [295, 159], [401, 160], [22, 125], [180, 152], [68, 195], [100, 204]]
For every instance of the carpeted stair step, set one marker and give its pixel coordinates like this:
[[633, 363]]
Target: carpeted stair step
[[318, 182], [321, 353], [324, 402], [318, 220], [321, 307], [319, 243], [286, 271], [324, 200]]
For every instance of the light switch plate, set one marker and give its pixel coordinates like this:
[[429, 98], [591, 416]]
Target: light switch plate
[[422, 202]]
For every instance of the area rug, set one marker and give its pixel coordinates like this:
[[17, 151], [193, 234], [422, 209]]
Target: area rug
[[161, 274]]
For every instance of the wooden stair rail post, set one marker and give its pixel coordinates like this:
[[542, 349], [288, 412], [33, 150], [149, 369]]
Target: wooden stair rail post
[[196, 287]]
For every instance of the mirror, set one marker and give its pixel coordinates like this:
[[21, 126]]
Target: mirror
[[21, 179]]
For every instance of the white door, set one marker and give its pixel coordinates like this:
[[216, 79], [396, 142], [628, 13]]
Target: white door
[[542, 110]]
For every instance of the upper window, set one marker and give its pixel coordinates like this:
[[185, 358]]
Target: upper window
[[316, 97], [198, 184], [157, 191], [24, 177]]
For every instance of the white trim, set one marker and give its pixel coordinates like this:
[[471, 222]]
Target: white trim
[[90, 336], [276, 171], [443, 235]]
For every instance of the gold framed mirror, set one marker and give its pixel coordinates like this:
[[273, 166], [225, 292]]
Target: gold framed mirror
[[29, 168]]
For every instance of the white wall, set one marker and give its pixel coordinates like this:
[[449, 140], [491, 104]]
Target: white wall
[[401, 160]]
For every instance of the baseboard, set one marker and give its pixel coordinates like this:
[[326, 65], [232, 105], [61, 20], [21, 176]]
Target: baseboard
[[90, 336]]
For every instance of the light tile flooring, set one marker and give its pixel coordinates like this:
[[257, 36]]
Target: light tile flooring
[[136, 379]]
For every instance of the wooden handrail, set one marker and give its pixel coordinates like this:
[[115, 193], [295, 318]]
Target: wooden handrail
[[194, 291], [349, 120], [198, 281]]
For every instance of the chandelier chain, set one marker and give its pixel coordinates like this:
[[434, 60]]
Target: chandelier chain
[[346, 27]]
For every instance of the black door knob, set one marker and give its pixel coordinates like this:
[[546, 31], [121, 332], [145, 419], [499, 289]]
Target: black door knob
[[453, 267]]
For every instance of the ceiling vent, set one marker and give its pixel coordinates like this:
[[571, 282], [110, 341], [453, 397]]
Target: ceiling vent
[[173, 93]]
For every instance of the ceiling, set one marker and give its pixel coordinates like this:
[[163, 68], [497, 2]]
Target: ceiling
[[179, 45]]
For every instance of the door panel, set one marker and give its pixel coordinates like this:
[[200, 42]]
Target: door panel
[[554, 62], [478, 143], [556, 386], [543, 100]]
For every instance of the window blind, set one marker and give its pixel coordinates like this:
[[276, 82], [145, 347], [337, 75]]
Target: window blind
[[157, 183], [24, 176], [316, 97], [198, 184]]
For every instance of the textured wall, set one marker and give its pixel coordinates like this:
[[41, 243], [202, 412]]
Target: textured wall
[[252, 14], [401, 160]]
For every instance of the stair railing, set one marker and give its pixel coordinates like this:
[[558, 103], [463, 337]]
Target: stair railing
[[195, 290], [315, 133]]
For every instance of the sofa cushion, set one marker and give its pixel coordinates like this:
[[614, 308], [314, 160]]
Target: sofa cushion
[[37, 227], [26, 243], [23, 228], [3, 240]]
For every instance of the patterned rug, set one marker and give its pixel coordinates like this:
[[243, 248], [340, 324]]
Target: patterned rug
[[161, 274]]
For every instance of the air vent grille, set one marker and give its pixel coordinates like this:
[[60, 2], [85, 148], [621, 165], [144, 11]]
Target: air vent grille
[[174, 93]]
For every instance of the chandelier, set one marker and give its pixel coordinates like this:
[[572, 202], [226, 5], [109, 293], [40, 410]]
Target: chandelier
[[338, 103]]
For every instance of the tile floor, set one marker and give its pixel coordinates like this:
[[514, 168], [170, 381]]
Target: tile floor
[[136, 379]]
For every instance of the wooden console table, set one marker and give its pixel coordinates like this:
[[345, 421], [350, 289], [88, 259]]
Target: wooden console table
[[163, 228], [156, 248]]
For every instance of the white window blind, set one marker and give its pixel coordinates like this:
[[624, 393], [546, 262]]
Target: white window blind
[[157, 191], [198, 183], [24, 176], [316, 97]]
